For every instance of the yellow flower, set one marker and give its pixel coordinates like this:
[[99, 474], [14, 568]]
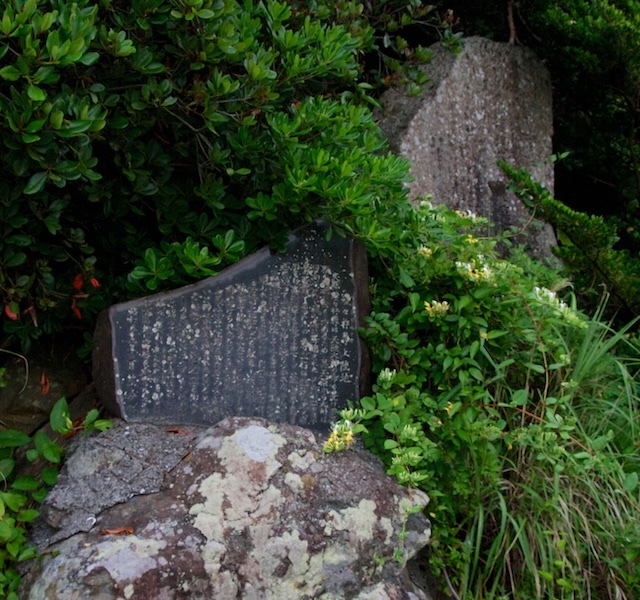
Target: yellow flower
[[426, 252], [341, 437], [437, 309]]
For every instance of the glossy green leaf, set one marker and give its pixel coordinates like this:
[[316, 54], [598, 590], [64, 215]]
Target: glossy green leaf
[[36, 183], [12, 438]]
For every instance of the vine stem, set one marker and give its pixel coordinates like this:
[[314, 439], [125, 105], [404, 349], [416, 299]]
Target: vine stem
[[26, 366]]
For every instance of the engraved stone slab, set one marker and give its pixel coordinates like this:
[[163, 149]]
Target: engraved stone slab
[[273, 336], [491, 102]]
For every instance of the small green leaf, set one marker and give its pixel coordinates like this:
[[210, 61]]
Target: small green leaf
[[26, 483], [6, 532], [405, 279], [103, 424], [414, 301], [50, 476], [91, 417], [14, 548], [36, 183], [59, 417], [53, 453], [6, 468], [28, 515], [630, 482], [496, 333], [35, 126], [519, 397], [56, 118], [10, 73], [29, 138], [40, 495], [14, 501], [12, 438], [601, 441], [89, 58], [368, 403], [36, 94], [14, 259]]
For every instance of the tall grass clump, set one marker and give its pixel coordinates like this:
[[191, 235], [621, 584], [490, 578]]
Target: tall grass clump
[[513, 410]]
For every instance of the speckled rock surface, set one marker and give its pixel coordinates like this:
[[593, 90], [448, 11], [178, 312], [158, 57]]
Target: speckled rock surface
[[249, 509], [491, 102]]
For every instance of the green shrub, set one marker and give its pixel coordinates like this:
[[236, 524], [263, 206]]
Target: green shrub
[[587, 247], [164, 140], [507, 406], [22, 489]]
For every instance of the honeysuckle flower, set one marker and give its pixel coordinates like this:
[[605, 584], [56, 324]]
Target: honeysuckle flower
[[437, 309], [386, 375], [562, 309], [341, 437], [409, 431], [475, 273], [426, 252], [352, 414]]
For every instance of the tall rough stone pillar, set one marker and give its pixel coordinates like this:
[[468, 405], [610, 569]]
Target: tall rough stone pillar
[[492, 101]]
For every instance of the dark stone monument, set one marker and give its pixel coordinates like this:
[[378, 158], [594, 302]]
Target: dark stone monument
[[274, 336]]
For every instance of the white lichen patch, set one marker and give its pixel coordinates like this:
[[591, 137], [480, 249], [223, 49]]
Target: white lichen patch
[[358, 521], [387, 525], [288, 548], [294, 482], [212, 553], [233, 501], [302, 460], [281, 566], [127, 558], [159, 530], [267, 502], [258, 443], [209, 515]]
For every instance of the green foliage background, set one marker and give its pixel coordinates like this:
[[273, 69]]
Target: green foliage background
[[163, 140], [151, 143]]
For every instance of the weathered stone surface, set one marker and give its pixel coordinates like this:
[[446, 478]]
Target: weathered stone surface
[[274, 336], [491, 102], [253, 510], [125, 461]]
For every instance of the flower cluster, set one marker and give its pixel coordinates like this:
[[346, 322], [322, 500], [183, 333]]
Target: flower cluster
[[563, 310], [474, 271], [426, 252], [386, 375], [437, 309], [341, 437]]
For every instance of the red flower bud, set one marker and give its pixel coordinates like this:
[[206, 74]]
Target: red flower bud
[[78, 282]]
